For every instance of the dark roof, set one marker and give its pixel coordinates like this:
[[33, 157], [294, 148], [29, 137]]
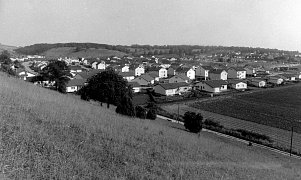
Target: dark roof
[[182, 69], [147, 77], [207, 67], [88, 74], [215, 83], [75, 67], [127, 74], [287, 75], [238, 68], [134, 84], [153, 74], [173, 85], [235, 81], [76, 82], [216, 71], [182, 77]]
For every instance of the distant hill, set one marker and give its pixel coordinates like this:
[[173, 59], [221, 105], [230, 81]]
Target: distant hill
[[7, 48], [87, 53]]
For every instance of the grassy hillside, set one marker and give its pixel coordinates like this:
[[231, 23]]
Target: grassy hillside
[[7, 48], [87, 53], [47, 135]]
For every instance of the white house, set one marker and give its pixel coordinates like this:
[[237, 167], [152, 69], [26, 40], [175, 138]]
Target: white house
[[218, 74], [213, 86], [139, 70], [189, 72], [203, 71], [171, 89], [288, 77], [275, 80], [129, 76], [237, 84], [74, 85], [237, 73], [125, 68], [162, 73], [257, 82], [99, 65]]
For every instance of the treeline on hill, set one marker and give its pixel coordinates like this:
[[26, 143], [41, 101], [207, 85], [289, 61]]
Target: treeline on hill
[[148, 49]]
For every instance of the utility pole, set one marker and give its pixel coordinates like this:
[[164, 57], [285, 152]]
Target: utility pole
[[291, 141]]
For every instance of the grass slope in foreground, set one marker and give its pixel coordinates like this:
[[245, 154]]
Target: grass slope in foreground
[[279, 107], [47, 135]]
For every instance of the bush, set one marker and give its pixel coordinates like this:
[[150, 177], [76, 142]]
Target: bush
[[151, 114], [212, 123], [140, 112], [193, 122]]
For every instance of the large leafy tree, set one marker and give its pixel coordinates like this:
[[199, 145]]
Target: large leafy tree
[[107, 87], [193, 122], [56, 71], [5, 58]]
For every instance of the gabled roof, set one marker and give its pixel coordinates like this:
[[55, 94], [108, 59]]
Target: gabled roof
[[153, 74], [75, 68], [257, 80], [134, 84], [215, 83], [235, 81], [173, 85], [185, 78], [238, 68], [76, 82], [127, 74], [182, 69], [88, 74], [147, 77], [216, 71]]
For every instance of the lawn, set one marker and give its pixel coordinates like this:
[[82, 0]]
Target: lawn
[[47, 135], [274, 107]]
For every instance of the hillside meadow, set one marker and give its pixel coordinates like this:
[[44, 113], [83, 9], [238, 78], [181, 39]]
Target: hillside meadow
[[47, 135]]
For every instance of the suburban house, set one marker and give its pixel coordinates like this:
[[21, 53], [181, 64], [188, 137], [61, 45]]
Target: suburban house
[[236, 73], [128, 75], [189, 72], [275, 80], [179, 78], [203, 71], [288, 77], [213, 86], [250, 70], [139, 70], [154, 75], [218, 74], [125, 68], [171, 71], [74, 85], [23, 74], [99, 65], [144, 80], [237, 84], [162, 73], [171, 89], [135, 86], [258, 82]]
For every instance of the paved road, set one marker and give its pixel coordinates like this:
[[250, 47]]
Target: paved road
[[280, 137], [26, 66]]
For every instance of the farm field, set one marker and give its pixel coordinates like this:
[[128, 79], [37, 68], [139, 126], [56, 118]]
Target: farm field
[[48, 135], [280, 108]]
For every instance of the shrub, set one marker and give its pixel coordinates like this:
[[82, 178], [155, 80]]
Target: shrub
[[151, 114], [193, 122], [140, 112], [212, 123]]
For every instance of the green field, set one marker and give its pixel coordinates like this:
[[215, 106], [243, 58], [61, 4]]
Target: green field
[[47, 135], [279, 108]]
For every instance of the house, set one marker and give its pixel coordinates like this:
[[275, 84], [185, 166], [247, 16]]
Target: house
[[138, 70], [75, 69], [237, 84], [203, 71], [171, 71], [189, 72], [144, 80], [275, 80], [125, 68], [213, 86], [178, 78], [99, 65], [258, 82], [250, 70], [23, 74], [129, 76], [74, 85], [171, 89], [237, 73], [135, 86], [162, 73], [218, 74], [288, 77]]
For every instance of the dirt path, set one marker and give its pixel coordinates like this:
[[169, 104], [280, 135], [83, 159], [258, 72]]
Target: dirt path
[[280, 137]]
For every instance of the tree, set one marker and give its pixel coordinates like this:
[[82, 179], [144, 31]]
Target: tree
[[140, 112], [126, 106], [193, 122], [151, 114], [5, 58], [56, 71], [107, 87]]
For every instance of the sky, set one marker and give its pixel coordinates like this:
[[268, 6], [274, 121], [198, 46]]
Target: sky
[[250, 23]]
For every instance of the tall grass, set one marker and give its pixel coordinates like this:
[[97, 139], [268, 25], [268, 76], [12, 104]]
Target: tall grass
[[47, 135]]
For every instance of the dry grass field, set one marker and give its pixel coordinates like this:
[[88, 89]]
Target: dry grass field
[[47, 135]]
